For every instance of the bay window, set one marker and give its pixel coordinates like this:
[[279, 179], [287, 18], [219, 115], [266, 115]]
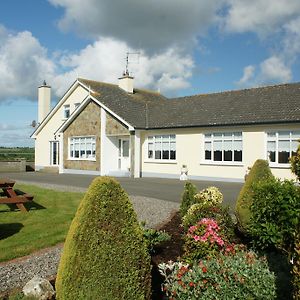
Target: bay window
[[82, 148]]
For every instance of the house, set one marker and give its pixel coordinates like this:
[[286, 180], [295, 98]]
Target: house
[[107, 129]]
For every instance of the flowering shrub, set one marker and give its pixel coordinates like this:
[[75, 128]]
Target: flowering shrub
[[240, 276], [209, 196], [218, 213], [203, 239]]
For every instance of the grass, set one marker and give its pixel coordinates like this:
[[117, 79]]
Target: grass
[[46, 224]]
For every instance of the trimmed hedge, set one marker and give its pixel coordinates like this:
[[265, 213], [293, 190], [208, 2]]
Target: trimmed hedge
[[259, 171], [105, 255], [188, 198]]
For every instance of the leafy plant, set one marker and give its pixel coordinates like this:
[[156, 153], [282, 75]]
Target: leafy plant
[[259, 171], [154, 238], [210, 196], [203, 239], [188, 198], [295, 163], [105, 255], [239, 276], [219, 213], [296, 266], [275, 214]]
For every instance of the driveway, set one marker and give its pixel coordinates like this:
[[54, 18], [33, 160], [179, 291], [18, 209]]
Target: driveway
[[164, 189]]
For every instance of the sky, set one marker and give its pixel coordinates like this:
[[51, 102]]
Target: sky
[[177, 47]]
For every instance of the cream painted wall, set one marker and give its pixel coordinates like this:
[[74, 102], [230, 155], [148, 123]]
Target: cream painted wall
[[42, 142], [190, 152]]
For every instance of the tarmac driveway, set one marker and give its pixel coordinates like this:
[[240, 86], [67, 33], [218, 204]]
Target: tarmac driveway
[[159, 188]]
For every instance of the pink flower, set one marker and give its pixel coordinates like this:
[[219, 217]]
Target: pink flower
[[196, 238]]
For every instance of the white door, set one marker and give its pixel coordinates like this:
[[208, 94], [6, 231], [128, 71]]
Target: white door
[[124, 160]]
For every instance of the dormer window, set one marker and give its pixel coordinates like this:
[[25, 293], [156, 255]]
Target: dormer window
[[66, 111]]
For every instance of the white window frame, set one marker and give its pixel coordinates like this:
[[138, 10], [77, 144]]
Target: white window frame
[[159, 138], [66, 111], [82, 143], [211, 137], [276, 138]]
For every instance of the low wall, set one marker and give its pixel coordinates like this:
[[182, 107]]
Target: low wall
[[13, 165]]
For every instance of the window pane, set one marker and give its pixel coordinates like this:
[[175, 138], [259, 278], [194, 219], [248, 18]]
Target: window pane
[[271, 149], [271, 134], [283, 152], [295, 134], [173, 150], [238, 155], [227, 136], [166, 153], [217, 151], [284, 134], [207, 135], [150, 150], [157, 147], [227, 146], [207, 148], [125, 148], [237, 135]]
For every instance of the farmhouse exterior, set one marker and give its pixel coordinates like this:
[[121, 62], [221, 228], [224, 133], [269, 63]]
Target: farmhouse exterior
[[106, 129]]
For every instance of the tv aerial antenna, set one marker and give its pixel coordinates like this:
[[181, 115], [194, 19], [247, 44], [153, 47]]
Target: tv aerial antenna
[[128, 61]]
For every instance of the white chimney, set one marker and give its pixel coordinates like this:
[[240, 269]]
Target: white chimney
[[44, 101], [126, 83]]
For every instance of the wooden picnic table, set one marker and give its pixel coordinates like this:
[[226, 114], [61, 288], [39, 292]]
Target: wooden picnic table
[[12, 196]]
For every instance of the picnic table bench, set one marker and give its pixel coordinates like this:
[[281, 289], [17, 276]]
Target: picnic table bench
[[12, 196]]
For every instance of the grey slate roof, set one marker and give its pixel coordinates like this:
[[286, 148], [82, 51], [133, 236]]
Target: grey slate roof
[[150, 110]]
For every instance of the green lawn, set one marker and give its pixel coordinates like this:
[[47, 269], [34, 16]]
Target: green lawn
[[46, 224]]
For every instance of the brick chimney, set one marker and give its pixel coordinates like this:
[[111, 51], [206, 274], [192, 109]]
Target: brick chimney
[[126, 83], [44, 101]]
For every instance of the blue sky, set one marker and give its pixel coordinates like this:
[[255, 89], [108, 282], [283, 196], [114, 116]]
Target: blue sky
[[186, 47]]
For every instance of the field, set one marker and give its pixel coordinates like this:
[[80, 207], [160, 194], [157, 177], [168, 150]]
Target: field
[[17, 153]]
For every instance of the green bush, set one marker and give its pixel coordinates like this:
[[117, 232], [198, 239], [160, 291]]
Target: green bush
[[241, 276], [105, 255], [221, 214], [154, 238], [188, 198], [259, 171], [296, 266], [275, 214], [295, 163]]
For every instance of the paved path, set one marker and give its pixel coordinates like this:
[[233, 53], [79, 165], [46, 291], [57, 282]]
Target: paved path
[[159, 188]]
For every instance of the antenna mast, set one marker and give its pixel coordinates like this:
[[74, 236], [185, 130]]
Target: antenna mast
[[128, 62]]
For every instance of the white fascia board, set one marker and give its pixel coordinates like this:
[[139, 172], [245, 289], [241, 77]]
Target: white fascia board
[[130, 128], [55, 108]]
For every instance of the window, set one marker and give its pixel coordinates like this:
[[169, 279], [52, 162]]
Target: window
[[281, 146], [82, 148], [162, 147], [66, 111], [223, 147], [54, 153]]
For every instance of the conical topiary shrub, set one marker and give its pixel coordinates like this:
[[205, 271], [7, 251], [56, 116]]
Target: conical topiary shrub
[[259, 171], [188, 198], [105, 255]]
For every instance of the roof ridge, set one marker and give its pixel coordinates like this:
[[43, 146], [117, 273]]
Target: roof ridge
[[240, 90], [95, 81]]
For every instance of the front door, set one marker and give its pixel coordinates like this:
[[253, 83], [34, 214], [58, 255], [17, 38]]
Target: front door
[[124, 161]]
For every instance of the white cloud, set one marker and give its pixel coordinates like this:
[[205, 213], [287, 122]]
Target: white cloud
[[274, 69], [247, 75], [23, 64], [105, 59], [260, 16], [150, 25]]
